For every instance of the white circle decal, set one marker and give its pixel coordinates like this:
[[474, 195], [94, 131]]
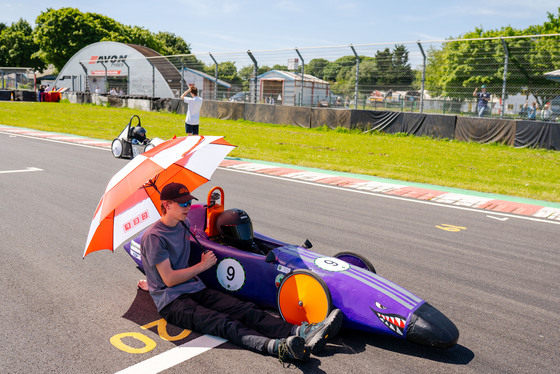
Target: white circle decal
[[231, 274], [331, 264]]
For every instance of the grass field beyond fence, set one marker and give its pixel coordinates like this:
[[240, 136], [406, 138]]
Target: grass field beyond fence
[[492, 168]]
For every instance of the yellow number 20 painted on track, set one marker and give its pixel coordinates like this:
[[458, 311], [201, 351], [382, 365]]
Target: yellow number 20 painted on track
[[149, 344]]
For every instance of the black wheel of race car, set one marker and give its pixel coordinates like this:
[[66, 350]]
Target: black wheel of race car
[[117, 148], [303, 297], [356, 260]]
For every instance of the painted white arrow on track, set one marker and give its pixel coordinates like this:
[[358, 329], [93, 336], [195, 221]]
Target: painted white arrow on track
[[31, 168]]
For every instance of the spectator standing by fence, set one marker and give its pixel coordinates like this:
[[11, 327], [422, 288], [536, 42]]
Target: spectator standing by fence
[[193, 111], [41, 90], [483, 99], [546, 112], [532, 111]]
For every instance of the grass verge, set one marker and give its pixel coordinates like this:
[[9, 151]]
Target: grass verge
[[493, 168]]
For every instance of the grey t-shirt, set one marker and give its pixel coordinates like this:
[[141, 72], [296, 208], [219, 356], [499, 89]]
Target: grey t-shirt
[[161, 242]]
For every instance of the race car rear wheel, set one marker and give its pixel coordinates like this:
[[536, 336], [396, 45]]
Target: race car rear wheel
[[303, 297], [356, 260], [117, 148]]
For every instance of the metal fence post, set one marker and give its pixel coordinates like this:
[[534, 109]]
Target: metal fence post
[[255, 72], [86, 78], [506, 60], [215, 77], [106, 80], [127, 78], [182, 76], [302, 74], [423, 77], [357, 77]]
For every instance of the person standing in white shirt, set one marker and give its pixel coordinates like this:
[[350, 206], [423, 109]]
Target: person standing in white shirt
[[193, 112]]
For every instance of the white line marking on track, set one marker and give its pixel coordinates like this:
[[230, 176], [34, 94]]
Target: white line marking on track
[[395, 197], [174, 356], [499, 219], [55, 141], [237, 169], [30, 168]]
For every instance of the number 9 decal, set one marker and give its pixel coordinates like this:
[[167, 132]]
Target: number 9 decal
[[331, 264], [231, 274]]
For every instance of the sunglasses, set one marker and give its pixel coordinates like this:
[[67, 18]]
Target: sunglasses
[[184, 205]]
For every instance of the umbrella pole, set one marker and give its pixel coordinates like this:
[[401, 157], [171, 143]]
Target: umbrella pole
[[152, 183]]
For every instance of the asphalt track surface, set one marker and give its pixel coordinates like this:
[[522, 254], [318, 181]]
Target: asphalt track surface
[[495, 276]]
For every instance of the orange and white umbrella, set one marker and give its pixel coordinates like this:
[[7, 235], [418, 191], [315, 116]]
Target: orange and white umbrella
[[131, 201]]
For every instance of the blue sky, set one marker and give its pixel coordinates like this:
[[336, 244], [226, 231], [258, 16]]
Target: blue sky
[[241, 25]]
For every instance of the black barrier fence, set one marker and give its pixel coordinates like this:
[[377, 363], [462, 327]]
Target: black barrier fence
[[18, 95], [485, 130], [518, 133], [537, 135], [6, 95]]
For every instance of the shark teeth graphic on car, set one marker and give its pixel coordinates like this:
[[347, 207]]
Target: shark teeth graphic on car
[[394, 322]]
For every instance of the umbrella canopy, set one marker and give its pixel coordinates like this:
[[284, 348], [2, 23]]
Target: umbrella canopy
[[131, 200]]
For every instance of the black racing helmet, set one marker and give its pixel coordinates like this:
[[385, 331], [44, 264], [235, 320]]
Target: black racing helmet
[[235, 227], [139, 133]]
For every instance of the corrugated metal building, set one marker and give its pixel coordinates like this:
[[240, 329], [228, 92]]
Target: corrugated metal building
[[129, 69], [284, 88], [206, 84]]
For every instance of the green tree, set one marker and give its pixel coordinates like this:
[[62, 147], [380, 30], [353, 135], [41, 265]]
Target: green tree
[[402, 72], [316, 67], [141, 36], [346, 78], [173, 44], [383, 60], [63, 32], [434, 71], [226, 71], [461, 65], [246, 74], [331, 71], [368, 73], [17, 47], [393, 68]]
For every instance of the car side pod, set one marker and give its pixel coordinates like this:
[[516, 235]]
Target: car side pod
[[428, 326]]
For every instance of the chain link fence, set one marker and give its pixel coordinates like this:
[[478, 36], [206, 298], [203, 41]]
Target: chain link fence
[[521, 74]]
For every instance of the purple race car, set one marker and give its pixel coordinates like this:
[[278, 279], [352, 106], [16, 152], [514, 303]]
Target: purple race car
[[304, 285]]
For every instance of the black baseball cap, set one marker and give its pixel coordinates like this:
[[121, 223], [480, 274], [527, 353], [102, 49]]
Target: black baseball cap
[[177, 192]]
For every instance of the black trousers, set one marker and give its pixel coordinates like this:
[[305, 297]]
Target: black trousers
[[216, 313], [191, 129]]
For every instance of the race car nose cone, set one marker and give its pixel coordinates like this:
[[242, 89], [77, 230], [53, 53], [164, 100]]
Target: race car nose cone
[[428, 326]]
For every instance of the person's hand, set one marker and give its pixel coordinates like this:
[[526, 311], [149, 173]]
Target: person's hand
[[208, 259]]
